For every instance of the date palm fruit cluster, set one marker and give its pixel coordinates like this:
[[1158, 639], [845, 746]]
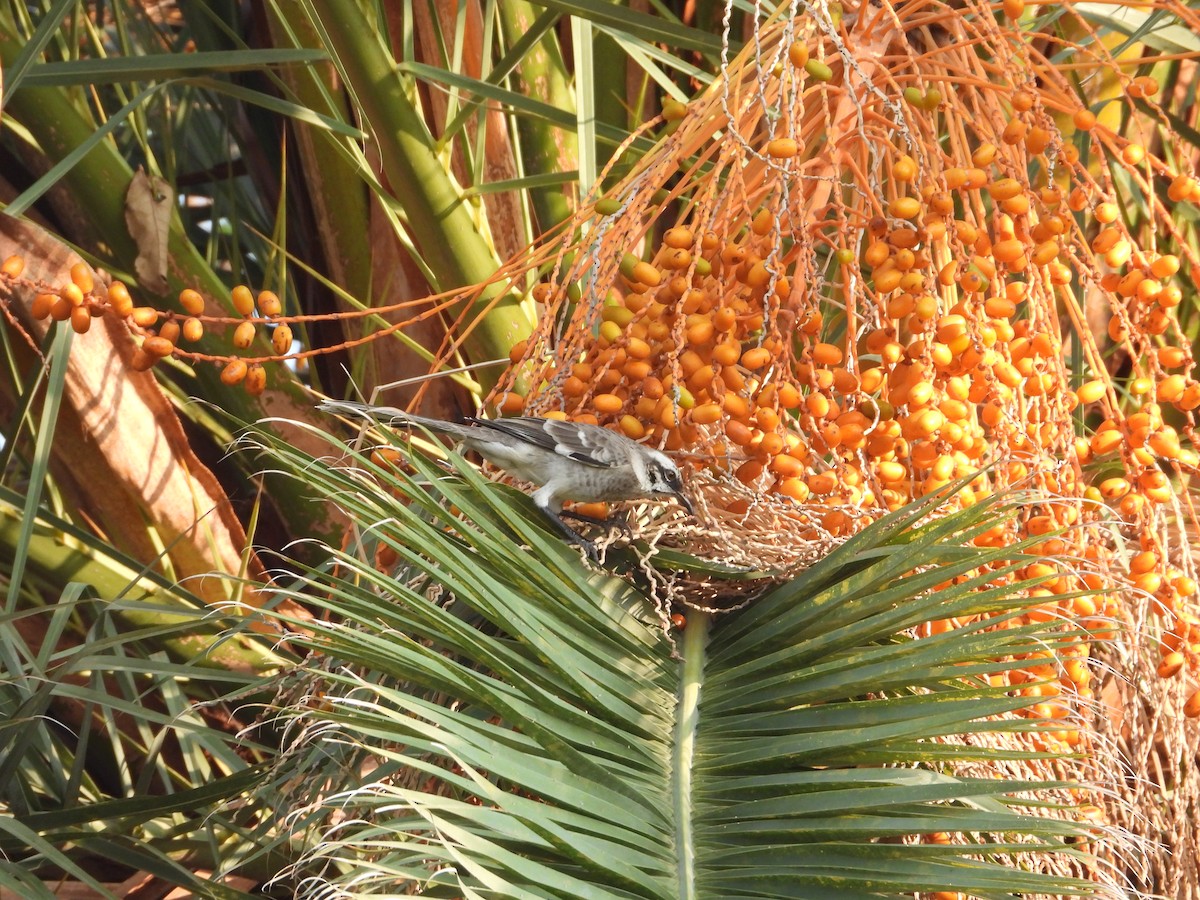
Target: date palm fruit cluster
[[161, 332], [885, 275], [76, 301]]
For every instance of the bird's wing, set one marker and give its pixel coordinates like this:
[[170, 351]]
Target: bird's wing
[[590, 445]]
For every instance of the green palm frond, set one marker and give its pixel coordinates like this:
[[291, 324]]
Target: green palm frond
[[107, 751], [489, 717]]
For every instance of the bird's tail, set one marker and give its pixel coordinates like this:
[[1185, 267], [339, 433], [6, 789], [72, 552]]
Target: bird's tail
[[388, 415]]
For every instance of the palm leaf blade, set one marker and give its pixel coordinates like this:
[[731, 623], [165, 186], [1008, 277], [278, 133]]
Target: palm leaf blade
[[538, 735]]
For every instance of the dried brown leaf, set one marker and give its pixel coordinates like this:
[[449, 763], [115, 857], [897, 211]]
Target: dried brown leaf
[[148, 203]]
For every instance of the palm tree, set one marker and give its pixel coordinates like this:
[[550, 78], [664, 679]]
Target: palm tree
[[485, 707]]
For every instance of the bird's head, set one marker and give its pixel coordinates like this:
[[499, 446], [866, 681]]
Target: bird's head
[[662, 477]]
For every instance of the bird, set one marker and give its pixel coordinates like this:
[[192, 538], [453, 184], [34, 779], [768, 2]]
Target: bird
[[566, 460]]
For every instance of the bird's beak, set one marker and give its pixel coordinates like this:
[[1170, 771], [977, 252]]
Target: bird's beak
[[685, 502]]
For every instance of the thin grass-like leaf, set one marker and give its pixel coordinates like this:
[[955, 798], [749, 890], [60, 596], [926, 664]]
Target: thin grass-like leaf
[[40, 464], [49, 853], [274, 104], [162, 66], [517, 103], [33, 48], [25, 200], [651, 29], [1152, 27]]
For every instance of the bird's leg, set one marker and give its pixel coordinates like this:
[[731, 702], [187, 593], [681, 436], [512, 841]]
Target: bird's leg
[[610, 522], [575, 538]]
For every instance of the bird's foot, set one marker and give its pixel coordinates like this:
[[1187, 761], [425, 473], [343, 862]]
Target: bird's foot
[[612, 522], [589, 550], [573, 536]]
